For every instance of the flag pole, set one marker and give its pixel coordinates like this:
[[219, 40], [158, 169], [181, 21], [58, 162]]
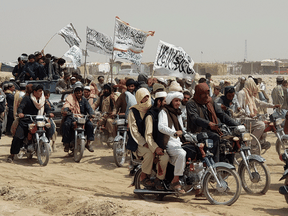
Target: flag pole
[[85, 70], [49, 40]]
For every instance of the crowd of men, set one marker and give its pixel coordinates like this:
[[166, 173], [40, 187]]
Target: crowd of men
[[159, 111]]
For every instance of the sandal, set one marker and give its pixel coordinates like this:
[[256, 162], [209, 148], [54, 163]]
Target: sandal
[[147, 182], [10, 159], [175, 186], [159, 185]]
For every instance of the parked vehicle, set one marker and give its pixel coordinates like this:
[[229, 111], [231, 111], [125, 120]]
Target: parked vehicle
[[36, 143]]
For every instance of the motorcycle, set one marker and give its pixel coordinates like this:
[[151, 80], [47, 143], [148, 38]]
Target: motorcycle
[[219, 181], [100, 132], [284, 189], [77, 146], [120, 141], [233, 148], [276, 125], [36, 143]]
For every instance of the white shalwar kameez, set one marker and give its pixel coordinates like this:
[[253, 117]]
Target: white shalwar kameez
[[175, 151]]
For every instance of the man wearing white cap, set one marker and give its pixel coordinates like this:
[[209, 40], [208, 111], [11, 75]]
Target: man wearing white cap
[[92, 85], [154, 139], [171, 125], [88, 95]]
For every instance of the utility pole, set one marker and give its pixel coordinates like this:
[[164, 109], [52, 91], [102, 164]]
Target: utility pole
[[245, 54]]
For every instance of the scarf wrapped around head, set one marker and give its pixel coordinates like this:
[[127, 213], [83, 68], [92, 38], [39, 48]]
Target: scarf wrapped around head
[[200, 89], [39, 105], [251, 90], [142, 107]]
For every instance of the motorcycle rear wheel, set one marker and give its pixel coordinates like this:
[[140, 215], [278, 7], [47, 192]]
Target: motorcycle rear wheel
[[138, 185], [261, 177], [119, 155], [43, 154], [78, 151], [226, 195]]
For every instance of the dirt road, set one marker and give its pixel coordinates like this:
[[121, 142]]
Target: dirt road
[[95, 186]]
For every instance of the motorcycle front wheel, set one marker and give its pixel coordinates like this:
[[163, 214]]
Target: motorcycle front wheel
[[229, 189], [260, 182], [254, 144], [78, 151], [279, 147], [119, 152], [43, 154]]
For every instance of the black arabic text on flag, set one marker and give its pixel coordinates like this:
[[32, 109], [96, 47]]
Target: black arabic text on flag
[[98, 42], [70, 35], [173, 61], [129, 42]]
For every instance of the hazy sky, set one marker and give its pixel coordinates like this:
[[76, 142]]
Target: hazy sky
[[219, 28]]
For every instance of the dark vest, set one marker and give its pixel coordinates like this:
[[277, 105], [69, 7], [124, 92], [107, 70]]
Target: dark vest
[[157, 135], [132, 145]]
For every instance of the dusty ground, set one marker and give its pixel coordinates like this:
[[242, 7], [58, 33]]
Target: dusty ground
[[95, 186]]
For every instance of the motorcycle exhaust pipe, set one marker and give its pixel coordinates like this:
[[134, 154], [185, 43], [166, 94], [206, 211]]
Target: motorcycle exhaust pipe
[[145, 191]]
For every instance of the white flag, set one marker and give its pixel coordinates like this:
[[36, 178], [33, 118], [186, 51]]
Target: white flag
[[70, 35], [173, 61], [129, 42], [75, 54], [98, 42]]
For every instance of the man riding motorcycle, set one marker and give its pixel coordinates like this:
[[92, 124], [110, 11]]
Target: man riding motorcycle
[[76, 104], [203, 117], [33, 104], [154, 138], [248, 101], [106, 105], [171, 125]]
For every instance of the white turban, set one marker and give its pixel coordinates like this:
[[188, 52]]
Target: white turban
[[172, 95]]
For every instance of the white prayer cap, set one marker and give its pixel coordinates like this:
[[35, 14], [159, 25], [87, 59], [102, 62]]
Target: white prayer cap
[[12, 79], [173, 95], [72, 78], [90, 77], [160, 94], [87, 88]]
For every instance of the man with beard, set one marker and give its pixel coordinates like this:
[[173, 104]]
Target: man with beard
[[100, 83], [187, 96], [203, 117], [76, 104], [10, 103], [127, 98], [106, 105], [33, 104], [170, 124], [29, 69], [154, 138]]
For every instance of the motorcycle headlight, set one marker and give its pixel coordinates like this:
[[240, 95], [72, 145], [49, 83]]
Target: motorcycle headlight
[[40, 123], [81, 120], [279, 121], [246, 137]]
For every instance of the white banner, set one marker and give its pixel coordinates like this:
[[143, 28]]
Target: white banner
[[75, 54], [70, 35], [129, 42], [173, 61], [98, 42]]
